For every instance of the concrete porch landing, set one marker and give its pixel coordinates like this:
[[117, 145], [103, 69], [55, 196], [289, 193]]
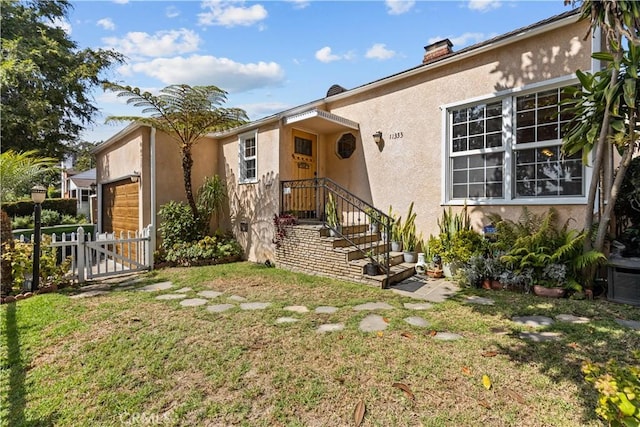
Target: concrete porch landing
[[427, 289]]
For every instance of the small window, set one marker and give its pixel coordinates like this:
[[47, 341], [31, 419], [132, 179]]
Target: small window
[[303, 146], [248, 158], [346, 145]]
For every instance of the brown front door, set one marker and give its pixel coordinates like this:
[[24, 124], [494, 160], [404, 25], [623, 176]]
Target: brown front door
[[304, 158]]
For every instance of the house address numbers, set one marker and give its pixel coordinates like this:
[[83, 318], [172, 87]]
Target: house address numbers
[[395, 135]]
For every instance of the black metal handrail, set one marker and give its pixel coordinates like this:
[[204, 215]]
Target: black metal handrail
[[311, 198]]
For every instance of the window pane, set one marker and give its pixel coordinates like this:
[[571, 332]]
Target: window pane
[[526, 102], [460, 177], [476, 175], [527, 118], [476, 112], [525, 135], [459, 163], [546, 98], [548, 115], [494, 174], [476, 190], [460, 144], [460, 130], [525, 156], [494, 190], [476, 161], [542, 172], [303, 146], [473, 178], [476, 142], [494, 140], [459, 116], [548, 132], [494, 110], [459, 191], [476, 127], [494, 125]]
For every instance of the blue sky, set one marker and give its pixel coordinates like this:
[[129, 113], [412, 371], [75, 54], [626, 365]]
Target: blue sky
[[274, 55]]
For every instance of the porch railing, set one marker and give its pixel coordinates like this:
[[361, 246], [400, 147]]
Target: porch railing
[[309, 198]]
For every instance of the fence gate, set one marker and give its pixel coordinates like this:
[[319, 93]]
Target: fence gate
[[103, 254]]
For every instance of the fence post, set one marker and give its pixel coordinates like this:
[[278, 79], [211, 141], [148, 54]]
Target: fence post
[[148, 252], [80, 255]]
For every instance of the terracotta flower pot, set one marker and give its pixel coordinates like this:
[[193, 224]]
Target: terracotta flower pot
[[548, 292]]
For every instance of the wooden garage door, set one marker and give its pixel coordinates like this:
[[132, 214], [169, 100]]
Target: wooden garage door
[[120, 207]]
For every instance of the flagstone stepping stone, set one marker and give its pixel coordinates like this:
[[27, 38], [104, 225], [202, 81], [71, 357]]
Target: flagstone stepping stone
[[447, 336], [418, 305], [632, 324], [326, 309], [184, 290], [541, 336], [126, 288], [162, 286], [373, 306], [572, 319], [254, 305], [237, 298], [479, 300], [373, 323], [171, 296], [95, 287], [193, 302], [219, 308], [286, 320], [330, 327], [534, 321], [417, 321], [88, 294], [297, 308], [209, 294]]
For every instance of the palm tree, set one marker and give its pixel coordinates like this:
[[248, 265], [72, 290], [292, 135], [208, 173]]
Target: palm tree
[[185, 113], [605, 108], [19, 171]]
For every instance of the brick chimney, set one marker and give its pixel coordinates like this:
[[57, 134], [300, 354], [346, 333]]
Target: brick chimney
[[436, 50]]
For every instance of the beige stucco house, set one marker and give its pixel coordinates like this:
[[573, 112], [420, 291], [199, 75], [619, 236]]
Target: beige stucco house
[[478, 126]]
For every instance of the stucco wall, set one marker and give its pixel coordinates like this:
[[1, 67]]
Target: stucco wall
[[409, 167], [253, 204]]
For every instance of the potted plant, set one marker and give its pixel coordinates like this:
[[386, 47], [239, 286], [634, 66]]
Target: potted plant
[[333, 221], [474, 271], [493, 269], [552, 281], [409, 237], [374, 219], [396, 231], [371, 268]]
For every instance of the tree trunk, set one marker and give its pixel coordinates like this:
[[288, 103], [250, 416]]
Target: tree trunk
[[187, 163]]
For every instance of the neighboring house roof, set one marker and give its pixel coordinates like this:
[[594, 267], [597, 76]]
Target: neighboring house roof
[[84, 179]]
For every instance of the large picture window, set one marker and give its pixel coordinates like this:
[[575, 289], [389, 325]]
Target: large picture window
[[510, 149], [248, 158]]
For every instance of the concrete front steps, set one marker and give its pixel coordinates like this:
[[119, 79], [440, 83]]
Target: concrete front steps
[[309, 248]]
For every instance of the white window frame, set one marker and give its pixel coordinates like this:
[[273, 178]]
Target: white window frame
[[243, 158], [508, 99]]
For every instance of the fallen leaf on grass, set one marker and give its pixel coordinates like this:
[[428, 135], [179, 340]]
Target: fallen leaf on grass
[[433, 333], [358, 413], [406, 335], [386, 320], [466, 370], [380, 333], [405, 388], [515, 396], [490, 354], [486, 382], [484, 404], [573, 345]]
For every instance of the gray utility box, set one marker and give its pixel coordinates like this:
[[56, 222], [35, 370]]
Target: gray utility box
[[624, 280]]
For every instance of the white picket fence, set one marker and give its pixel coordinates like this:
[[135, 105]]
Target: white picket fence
[[103, 254]]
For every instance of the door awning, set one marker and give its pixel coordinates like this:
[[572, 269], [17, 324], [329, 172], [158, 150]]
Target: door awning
[[321, 121]]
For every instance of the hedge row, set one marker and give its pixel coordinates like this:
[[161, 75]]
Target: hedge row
[[25, 207]]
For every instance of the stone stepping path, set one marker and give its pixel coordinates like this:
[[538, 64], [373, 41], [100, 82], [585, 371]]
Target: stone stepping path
[[171, 296], [418, 306], [330, 327], [373, 323], [209, 294], [219, 308], [162, 286], [286, 320], [479, 300], [254, 305], [373, 306], [193, 302], [631, 324], [184, 290], [541, 336], [297, 308], [417, 321], [569, 318], [237, 298], [447, 336], [325, 309], [533, 321]]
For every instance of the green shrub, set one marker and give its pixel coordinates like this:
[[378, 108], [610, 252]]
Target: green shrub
[[21, 222], [68, 220], [205, 251], [177, 225], [49, 218], [619, 391], [25, 207]]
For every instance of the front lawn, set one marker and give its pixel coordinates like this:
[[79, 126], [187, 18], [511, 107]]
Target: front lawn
[[126, 358]]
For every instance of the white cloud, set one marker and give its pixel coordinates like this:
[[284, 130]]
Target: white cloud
[[162, 43], [462, 40], [379, 51], [204, 70], [398, 7], [484, 5], [121, 1], [106, 23], [299, 4], [172, 12], [325, 55], [231, 13]]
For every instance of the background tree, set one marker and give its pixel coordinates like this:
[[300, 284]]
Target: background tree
[[185, 113], [83, 157], [606, 107], [46, 80], [21, 171]]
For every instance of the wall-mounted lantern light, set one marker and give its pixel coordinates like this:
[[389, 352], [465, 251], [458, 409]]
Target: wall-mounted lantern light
[[135, 177], [377, 137]]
